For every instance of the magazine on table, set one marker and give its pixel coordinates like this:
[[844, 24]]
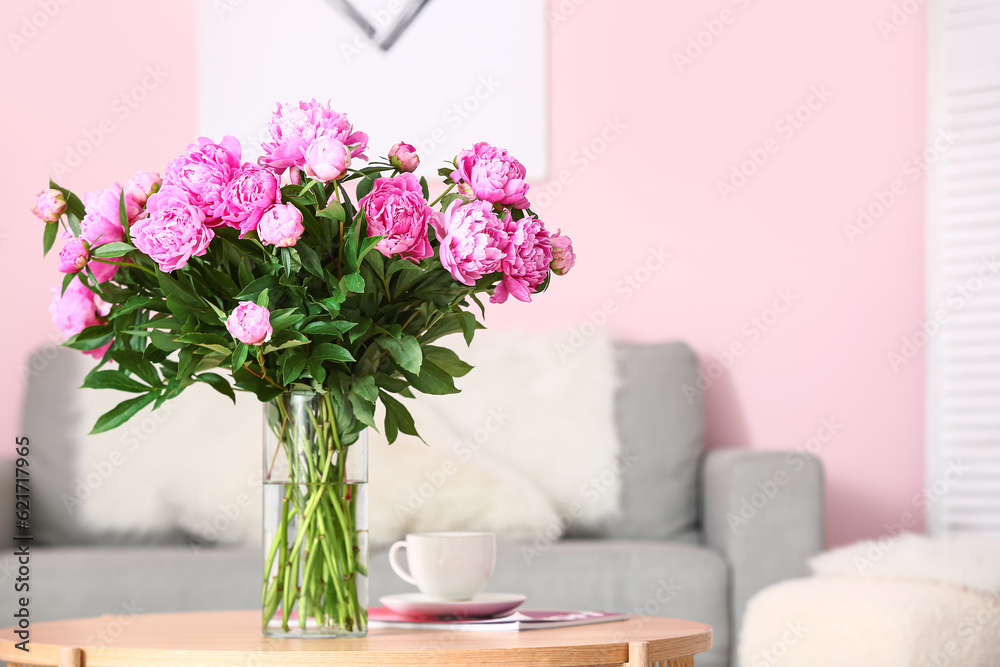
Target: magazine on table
[[519, 621]]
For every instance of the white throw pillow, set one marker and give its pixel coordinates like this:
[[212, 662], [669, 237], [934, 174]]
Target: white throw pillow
[[191, 467], [528, 425]]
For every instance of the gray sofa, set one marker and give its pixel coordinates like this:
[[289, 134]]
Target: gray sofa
[[699, 533]]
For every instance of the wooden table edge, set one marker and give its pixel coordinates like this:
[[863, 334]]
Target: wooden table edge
[[603, 654]]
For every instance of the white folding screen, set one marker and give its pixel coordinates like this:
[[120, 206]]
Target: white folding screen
[[962, 328]]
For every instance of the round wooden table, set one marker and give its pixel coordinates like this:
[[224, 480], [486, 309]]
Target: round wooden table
[[233, 638]]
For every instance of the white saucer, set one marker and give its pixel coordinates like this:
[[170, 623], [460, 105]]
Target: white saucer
[[483, 605]]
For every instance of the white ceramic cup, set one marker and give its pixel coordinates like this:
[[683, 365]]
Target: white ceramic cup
[[446, 566]]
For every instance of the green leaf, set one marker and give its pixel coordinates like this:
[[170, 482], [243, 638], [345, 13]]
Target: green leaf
[[164, 341], [251, 291], [310, 260], [91, 338], [366, 246], [122, 212], [469, 325], [446, 360], [284, 339], [187, 361], [134, 362], [49, 237], [217, 382], [75, 210], [292, 367], [317, 371], [397, 418], [112, 250], [395, 385], [446, 171], [365, 186], [426, 190], [172, 287], [406, 352], [113, 380], [364, 410], [122, 412], [330, 351], [285, 318], [328, 328], [66, 281], [353, 282], [365, 387], [332, 302], [239, 356], [335, 211], [394, 330], [360, 330], [431, 380], [262, 298]]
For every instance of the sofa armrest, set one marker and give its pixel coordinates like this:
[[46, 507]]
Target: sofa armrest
[[6, 503], [764, 512]]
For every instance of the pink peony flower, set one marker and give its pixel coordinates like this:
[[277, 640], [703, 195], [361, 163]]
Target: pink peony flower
[[492, 175], [250, 323], [563, 257], [294, 128], [74, 256], [327, 159], [49, 205], [404, 157], [203, 171], [526, 265], [76, 309], [174, 231], [281, 226], [245, 198], [102, 224], [473, 240], [143, 184], [396, 208]]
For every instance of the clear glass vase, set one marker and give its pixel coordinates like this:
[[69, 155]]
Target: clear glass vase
[[315, 520]]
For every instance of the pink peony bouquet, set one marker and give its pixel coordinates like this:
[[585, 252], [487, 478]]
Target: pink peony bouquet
[[312, 269], [312, 272]]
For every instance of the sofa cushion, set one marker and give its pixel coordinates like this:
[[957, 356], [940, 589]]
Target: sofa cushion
[[76, 582], [661, 430]]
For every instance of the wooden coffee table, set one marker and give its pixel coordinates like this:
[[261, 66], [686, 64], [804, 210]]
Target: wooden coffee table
[[229, 638]]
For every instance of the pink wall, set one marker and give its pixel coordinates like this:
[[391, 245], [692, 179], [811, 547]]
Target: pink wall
[[615, 86]]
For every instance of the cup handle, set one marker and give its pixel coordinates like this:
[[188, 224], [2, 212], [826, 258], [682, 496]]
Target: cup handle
[[397, 566]]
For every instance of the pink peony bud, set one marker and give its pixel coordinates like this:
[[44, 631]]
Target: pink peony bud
[[74, 256], [563, 257], [49, 205], [327, 159], [281, 225], [143, 184], [250, 323], [404, 157]]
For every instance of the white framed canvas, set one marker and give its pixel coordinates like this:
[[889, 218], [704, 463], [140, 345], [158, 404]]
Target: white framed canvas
[[439, 74]]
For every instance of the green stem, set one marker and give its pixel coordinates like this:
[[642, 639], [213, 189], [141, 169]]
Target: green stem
[[319, 565], [443, 194], [131, 264]]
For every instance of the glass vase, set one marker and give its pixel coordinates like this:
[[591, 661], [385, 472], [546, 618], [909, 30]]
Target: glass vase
[[315, 520]]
